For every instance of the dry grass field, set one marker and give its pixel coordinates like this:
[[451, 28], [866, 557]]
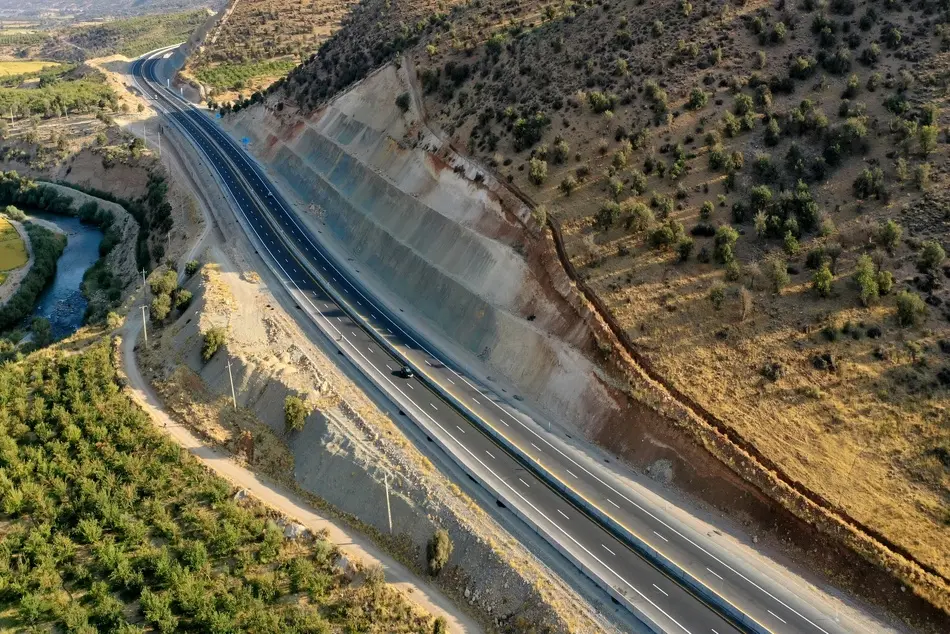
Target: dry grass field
[[17, 67]]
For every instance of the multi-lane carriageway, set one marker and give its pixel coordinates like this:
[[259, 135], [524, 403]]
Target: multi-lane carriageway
[[463, 415]]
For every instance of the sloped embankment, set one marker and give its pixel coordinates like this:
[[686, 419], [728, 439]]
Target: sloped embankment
[[344, 452], [437, 234], [441, 237]]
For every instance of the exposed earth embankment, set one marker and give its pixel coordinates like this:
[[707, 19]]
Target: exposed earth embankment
[[436, 234]]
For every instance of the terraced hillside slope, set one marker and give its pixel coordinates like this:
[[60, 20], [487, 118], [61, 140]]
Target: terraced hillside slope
[[755, 195], [259, 41]]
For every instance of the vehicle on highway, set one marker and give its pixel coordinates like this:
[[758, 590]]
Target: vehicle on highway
[[405, 372]]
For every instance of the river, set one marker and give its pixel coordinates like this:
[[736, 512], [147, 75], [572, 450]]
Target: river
[[62, 302]]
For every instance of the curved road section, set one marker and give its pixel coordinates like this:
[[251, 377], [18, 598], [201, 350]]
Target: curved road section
[[663, 572]]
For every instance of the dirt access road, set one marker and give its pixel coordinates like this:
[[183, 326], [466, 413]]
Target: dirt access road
[[355, 547]]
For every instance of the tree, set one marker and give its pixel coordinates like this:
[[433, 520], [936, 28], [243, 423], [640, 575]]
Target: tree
[[911, 310], [192, 267], [537, 171], [698, 98], [927, 136], [160, 307], [776, 270], [165, 283], [725, 241], [295, 413], [866, 279], [182, 299], [13, 213], [42, 332], [932, 257], [790, 244], [440, 626], [717, 294], [888, 235], [403, 101], [822, 281], [438, 551], [684, 247], [214, 338]]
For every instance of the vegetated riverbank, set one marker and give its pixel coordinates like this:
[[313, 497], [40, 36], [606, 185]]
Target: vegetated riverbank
[[47, 247], [134, 531], [63, 303]]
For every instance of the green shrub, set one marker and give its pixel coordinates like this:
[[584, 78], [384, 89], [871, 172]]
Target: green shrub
[[160, 307], [638, 182], [182, 299], [888, 235], [725, 242], [639, 218], [295, 413], [164, 283], [537, 171], [932, 257], [717, 294], [438, 551], [911, 310], [866, 278], [698, 98], [822, 281], [214, 338], [192, 267], [885, 282], [776, 271], [684, 248], [667, 234], [13, 213], [403, 101]]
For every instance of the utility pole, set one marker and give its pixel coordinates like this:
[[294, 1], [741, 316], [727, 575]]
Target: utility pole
[[389, 512], [231, 378], [145, 324], [144, 283]]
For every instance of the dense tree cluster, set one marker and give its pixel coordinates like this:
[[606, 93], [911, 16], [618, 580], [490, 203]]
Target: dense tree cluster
[[110, 527]]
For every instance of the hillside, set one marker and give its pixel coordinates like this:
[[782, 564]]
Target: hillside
[[130, 37], [758, 196], [257, 43], [86, 9]]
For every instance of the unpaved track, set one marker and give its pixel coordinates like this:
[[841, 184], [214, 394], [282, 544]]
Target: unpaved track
[[353, 546]]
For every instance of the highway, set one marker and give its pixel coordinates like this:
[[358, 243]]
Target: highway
[[490, 438]]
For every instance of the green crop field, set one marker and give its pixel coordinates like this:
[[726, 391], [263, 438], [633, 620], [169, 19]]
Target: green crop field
[[13, 253]]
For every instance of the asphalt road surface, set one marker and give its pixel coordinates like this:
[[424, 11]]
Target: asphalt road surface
[[384, 342]]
